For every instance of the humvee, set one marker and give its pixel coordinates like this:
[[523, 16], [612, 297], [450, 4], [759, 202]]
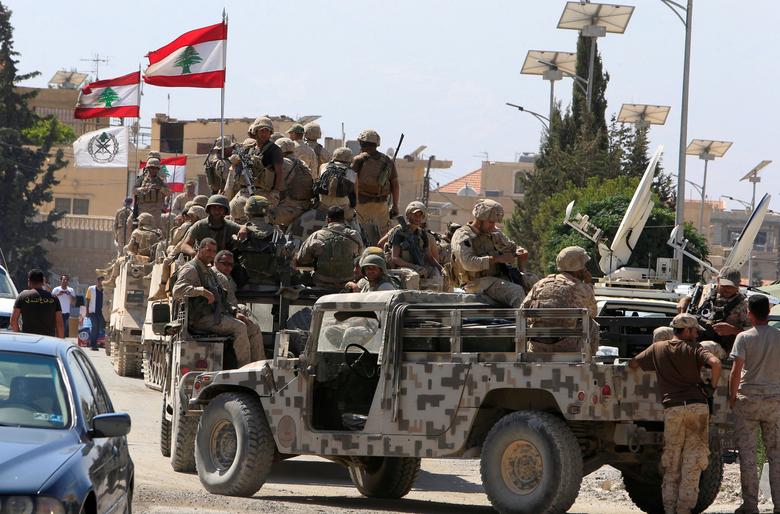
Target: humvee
[[389, 378]]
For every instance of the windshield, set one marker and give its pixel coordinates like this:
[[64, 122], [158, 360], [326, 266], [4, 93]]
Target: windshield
[[32, 393], [341, 328], [6, 288]]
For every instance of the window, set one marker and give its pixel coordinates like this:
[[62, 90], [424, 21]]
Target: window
[[519, 175], [62, 205], [80, 206], [171, 137], [493, 194], [101, 396], [86, 398], [760, 242], [339, 329]]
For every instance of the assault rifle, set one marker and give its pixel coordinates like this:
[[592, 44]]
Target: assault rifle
[[698, 291], [242, 169], [414, 249]]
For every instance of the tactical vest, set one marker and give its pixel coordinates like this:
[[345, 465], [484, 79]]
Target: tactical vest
[[216, 170], [146, 239], [263, 177], [334, 181], [152, 196], [716, 309], [374, 175], [482, 245], [258, 255], [298, 180], [411, 241], [198, 307], [337, 260]]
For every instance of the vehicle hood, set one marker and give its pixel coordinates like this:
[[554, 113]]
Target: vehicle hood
[[6, 306], [29, 456]]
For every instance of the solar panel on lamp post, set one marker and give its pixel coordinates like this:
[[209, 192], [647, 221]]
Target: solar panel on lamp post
[[753, 177], [552, 66], [707, 150], [642, 115], [594, 21]]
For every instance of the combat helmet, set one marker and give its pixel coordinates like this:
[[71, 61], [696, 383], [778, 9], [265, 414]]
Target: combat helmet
[[145, 219], [153, 155], [342, 154], [218, 200], [260, 123], [286, 145], [152, 163], [488, 210], [201, 200], [223, 142], [197, 211], [413, 207], [297, 128], [572, 258], [373, 259], [369, 136], [256, 207], [312, 131]]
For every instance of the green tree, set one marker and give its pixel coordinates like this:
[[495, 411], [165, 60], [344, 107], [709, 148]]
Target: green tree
[[37, 134], [189, 57], [108, 96], [26, 170]]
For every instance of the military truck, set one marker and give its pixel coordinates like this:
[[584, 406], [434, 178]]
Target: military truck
[[128, 310], [155, 346], [389, 378]]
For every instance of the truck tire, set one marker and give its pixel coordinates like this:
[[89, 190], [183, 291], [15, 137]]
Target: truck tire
[[385, 477], [643, 485], [183, 433], [165, 433], [234, 446], [531, 462]]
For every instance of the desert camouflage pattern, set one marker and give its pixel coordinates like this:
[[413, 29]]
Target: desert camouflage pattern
[[313, 220], [143, 241], [749, 415], [306, 153], [426, 402], [686, 454]]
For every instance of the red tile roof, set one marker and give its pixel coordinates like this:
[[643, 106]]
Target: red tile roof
[[473, 180]]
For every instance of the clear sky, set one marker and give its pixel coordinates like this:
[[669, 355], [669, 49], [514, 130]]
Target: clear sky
[[440, 71]]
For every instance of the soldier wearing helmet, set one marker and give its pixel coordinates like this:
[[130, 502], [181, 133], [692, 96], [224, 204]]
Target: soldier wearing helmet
[[266, 159], [377, 183], [373, 269], [179, 202], [151, 191], [214, 226], [311, 133], [570, 287], [144, 239], [303, 151], [481, 253], [336, 183], [217, 165], [298, 186], [123, 224], [414, 248], [262, 253]]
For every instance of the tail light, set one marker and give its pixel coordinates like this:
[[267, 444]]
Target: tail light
[[581, 396], [606, 391], [184, 370]]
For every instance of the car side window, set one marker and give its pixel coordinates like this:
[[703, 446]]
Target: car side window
[[83, 389], [101, 396]]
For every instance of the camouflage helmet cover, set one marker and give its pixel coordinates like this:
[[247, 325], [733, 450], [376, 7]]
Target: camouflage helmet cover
[[312, 131], [256, 206], [187, 206], [342, 154], [152, 163], [260, 123], [145, 219], [373, 259], [414, 207], [572, 258], [201, 200], [286, 144], [153, 155], [249, 142], [197, 211], [276, 136], [372, 250], [729, 276], [296, 128], [218, 200], [369, 136], [488, 210]]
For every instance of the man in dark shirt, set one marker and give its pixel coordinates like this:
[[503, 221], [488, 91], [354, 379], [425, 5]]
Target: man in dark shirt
[[678, 364], [40, 311]]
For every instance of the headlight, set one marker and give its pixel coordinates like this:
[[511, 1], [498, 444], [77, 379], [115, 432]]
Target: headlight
[[30, 505]]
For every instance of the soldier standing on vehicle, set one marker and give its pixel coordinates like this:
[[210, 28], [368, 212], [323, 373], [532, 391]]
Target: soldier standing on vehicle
[[336, 183], [262, 252], [267, 160], [298, 186], [123, 224], [569, 288], [144, 239], [377, 181], [214, 226], [331, 251], [208, 308], [179, 202], [754, 395], [217, 167], [303, 151], [413, 248], [311, 133], [678, 364], [374, 269], [223, 262], [151, 191], [480, 254]]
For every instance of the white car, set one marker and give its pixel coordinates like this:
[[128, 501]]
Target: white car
[[8, 294]]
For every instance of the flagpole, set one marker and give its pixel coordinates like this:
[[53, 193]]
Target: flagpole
[[222, 91], [137, 132]]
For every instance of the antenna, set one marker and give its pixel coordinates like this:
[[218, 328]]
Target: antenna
[[96, 60]]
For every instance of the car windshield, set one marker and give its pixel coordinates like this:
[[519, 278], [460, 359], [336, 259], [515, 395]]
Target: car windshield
[[342, 328], [32, 393], [6, 289]]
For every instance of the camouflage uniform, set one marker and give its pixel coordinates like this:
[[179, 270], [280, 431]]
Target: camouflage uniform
[[303, 151], [336, 183], [263, 253], [123, 226], [178, 205], [313, 220], [331, 251], [298, 187], [405, 239], [708, 315], [750, 414], [145, 237], [376, 174], [151, 192], [312, 132], [252, 329], [216, 168], [686, 454]]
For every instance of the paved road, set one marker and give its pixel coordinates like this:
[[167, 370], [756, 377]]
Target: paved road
[[298, 485]]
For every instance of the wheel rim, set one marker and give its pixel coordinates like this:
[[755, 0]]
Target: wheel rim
[[224, 445], [521, 467]]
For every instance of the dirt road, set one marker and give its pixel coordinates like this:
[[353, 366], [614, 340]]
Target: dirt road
[[314, 485]]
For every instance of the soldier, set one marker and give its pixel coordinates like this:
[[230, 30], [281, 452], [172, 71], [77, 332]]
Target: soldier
[[677, 364], [223, 262], [267, 160], [480, 254], [754, 395], [374, 269], [216, 166], [262, 252], [123, 225], [569, 288], [331, 251], [303, 151], [144, 239], [178, 205], [723, 313], [312, 132], [208, 309], [214, 226], [151, 191], [413, 248], [239, 181], [445, 258], [336, 183], [201, 200], [192, 214], [377, 180], [298, 186]]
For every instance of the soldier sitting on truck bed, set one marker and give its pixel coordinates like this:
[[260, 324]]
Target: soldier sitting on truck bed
[[215, 227], [412, 247], [144, 239], [208, 309], [569, 288], [263, 253]]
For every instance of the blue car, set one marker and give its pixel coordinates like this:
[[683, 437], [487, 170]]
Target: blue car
[[63, 449]]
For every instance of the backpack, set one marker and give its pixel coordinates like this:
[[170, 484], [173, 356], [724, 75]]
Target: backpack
[[300, 184], [257, 254], [337, 260], [333, 181]]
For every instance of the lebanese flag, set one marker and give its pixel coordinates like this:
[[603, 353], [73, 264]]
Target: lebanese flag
[[110, 98], [194, 59], [173, 169]]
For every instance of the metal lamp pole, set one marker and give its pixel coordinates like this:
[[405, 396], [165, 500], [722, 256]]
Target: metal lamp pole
[[706, 158]]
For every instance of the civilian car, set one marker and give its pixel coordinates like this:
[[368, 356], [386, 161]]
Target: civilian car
[[62, 447], [8, 294]]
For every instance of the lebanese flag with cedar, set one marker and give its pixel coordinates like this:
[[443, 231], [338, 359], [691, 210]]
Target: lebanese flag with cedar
[[194, 59], [173, 169], [111, 98]]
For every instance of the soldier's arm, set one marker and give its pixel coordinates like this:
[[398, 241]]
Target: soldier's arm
[[464, 252], [715, 368], [307, 255], [133, 245], [188, 284], [188, 244]]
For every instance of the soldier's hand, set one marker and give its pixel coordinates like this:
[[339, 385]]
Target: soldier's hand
[[394, 211], [240, 317], [243, 233], [682, 305], [351, 286], [234, 159], [209, 296], [522, 253], [724, 329]]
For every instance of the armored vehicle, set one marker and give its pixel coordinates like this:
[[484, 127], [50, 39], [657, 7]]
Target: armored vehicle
[[389, 378], [127, 317], [154, 345]]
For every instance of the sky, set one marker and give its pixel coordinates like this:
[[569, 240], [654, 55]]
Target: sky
[[441, 71]]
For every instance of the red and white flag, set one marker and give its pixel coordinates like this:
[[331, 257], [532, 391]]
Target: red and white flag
[[194, 59], [173, 170], [111, 98]]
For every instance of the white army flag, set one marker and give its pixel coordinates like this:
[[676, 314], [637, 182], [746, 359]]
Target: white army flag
[[104, 148]]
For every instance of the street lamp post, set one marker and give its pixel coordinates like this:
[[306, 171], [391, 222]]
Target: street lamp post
[[707, 150], [552, 66], [536, 115], [753, 177]]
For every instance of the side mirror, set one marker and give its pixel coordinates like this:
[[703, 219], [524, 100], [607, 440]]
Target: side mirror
[[115, 424]]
